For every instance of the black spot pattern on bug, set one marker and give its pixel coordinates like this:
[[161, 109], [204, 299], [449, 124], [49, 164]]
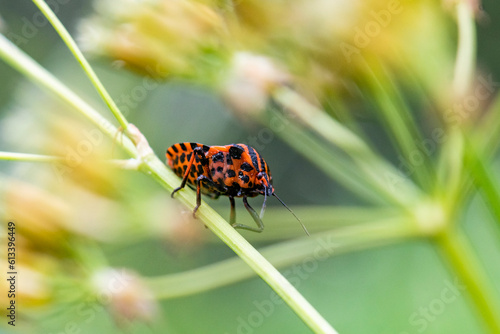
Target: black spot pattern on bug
[[220, 169], [246, 167], [235, 151], [183, 146], [231, 173], [253, 157], [229, 160], [182, 157], [218, 157], [200, 170], [245, 178]]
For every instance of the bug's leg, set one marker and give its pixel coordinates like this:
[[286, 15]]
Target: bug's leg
[[196, 151], [185, 177], [198, 195], [198, 191], [232, 215], [255, 216]]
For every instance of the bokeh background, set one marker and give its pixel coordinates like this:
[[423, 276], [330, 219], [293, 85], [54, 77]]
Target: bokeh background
[[206, 71]]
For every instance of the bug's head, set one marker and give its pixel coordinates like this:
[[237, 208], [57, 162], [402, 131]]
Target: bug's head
[[264, 183]]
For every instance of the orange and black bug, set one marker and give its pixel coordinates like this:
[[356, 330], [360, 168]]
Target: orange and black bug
[[235, 170]]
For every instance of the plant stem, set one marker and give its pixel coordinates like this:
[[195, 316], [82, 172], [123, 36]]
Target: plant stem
[[484, 175], [243, 249], [320, 247], [488, 130], [127, 164], [450, 177], [320, 218], [23, 63], [27, 157], [397, 117], [368, 176], [460, 256], [68, 40], [465, 60]]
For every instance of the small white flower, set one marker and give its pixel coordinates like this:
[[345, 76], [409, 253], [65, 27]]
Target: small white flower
[[250, 81]]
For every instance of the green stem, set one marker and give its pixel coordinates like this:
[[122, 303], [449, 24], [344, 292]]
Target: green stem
[[484, 175], [319, 219], [68, 40], [332, 243], [397, 117], [23, 63], [364, 172], [450, 177], [242, 248], [27, 157], [466, 57], [458, 253], [127, 164], [486, 134]]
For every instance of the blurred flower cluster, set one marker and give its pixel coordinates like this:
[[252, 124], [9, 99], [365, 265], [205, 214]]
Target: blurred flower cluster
[[64, 210], [321, 46]]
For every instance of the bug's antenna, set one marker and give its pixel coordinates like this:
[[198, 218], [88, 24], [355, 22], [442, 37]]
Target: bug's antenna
[[305, 229]]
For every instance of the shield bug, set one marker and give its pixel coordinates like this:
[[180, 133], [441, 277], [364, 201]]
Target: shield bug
[[235, 170]]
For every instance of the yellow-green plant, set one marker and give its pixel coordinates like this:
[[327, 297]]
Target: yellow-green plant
[[445, 165]]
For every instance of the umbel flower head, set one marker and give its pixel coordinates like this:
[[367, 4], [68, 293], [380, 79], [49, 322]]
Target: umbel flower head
[[160, 38], [324, 44]]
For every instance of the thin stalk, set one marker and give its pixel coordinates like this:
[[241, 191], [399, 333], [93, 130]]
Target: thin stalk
[[398, 119], [466, 50], [318, 219], [154, 167], [340, 111], [486, 134], [126, 164], [320, 247], [458, 253], [450, 176], [485, 178], [68, 40], [23, 63], [27, 157], [336, 166], [371, 166]]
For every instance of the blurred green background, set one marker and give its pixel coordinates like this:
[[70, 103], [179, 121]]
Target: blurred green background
[[396, 288]]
